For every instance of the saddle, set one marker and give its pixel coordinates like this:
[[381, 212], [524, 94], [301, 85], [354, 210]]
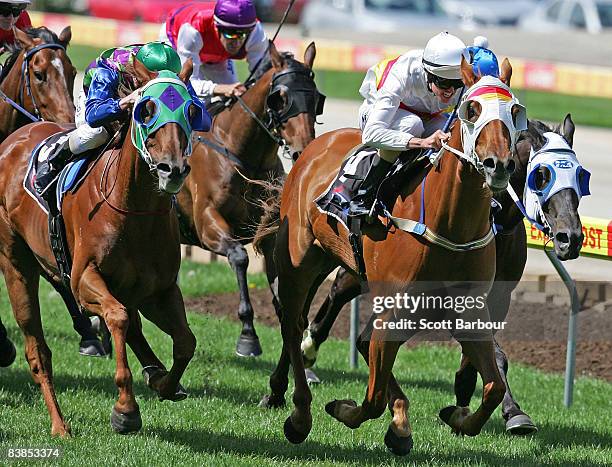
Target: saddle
[[336, 199]]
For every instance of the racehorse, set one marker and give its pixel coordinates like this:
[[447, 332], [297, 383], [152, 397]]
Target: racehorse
[[219, 206], [38, 78], [457, 196], [559, 212], [123, 237]]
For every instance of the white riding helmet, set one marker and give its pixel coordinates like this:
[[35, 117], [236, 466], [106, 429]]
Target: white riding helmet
[[17, 2], [442, 56]]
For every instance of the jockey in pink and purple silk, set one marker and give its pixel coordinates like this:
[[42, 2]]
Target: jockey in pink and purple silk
[[213, 34]]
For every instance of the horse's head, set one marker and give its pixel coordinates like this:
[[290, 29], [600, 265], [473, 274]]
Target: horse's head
[[294, 100], [490, 118], [163, 118], [555, 182], [47, 73]]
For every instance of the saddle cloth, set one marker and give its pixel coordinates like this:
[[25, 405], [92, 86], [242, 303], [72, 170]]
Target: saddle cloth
[[70, 177], [336, 199]]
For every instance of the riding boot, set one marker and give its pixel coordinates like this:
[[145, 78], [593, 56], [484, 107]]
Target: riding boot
[[48, 170], [361, 204]]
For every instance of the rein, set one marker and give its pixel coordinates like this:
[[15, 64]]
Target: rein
[[104, 184]]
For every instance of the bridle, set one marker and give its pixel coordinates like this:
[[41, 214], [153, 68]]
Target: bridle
[[302, 97], [25, 74]]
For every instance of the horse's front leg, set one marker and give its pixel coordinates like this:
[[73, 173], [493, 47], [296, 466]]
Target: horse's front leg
[[381, 357], [481, 354], [167, 310], [215, 235], [248, 343], [94, 295]]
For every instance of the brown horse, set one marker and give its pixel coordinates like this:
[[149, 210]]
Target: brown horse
[[219, 207], [123, 237], [309, 245], [38, 77], [560, 212]]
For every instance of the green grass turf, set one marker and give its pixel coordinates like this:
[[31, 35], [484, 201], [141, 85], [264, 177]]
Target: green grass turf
[[345, 85], [221, 425]]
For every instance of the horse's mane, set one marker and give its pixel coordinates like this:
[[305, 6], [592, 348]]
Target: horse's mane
[[47, 36], [534, 134]]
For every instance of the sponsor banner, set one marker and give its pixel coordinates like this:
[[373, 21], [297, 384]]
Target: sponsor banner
[[597, 237], [342, 55]]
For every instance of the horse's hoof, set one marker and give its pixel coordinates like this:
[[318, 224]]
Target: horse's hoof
[[292, 435], [92, 348], [270, 402], [446, 414], [62, 431], [126, 423], [8, 353], [330, 408], [151, 373], [520, 425], [398, 445], [311, 377], [248, 346]]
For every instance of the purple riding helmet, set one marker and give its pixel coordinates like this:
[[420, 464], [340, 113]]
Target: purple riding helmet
[[235, 14]]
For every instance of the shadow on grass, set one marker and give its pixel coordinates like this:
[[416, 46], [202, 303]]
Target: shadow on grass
[[205, 441]]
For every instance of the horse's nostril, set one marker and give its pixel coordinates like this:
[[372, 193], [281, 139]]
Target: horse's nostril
[[489, 163], [511, 167], [562, 238], [163, 167]]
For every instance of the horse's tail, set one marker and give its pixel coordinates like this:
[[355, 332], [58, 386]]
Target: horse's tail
[[270, 220]]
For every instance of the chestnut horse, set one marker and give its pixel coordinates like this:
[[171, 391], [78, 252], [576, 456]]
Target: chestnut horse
[[219, 206], [38, 77], [123, 237], [309, 245], [560, 212]]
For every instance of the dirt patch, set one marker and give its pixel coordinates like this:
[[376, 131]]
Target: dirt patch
[[535, 334]]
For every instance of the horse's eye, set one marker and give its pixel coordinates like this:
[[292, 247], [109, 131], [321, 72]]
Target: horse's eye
[[147, 112], [39, 76], [542, 177], [277, 101], [473, 111]]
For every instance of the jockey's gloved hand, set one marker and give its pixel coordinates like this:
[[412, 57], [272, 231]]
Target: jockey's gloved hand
[[229, 90], [128, 101]]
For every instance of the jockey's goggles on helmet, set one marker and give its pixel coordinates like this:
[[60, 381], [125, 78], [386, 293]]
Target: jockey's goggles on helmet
[[444, 83], [8, 9], [236, 34]]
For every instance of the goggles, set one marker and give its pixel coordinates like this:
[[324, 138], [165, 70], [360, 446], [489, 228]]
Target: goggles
[[7, 9], [444, 83], [235, 34]]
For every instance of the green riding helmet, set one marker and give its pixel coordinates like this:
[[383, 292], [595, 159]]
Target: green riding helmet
[[157, 56]]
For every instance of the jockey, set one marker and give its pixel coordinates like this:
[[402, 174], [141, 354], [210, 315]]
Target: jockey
[[13, 14], [99, 103], [212, 34], [404, 106]]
